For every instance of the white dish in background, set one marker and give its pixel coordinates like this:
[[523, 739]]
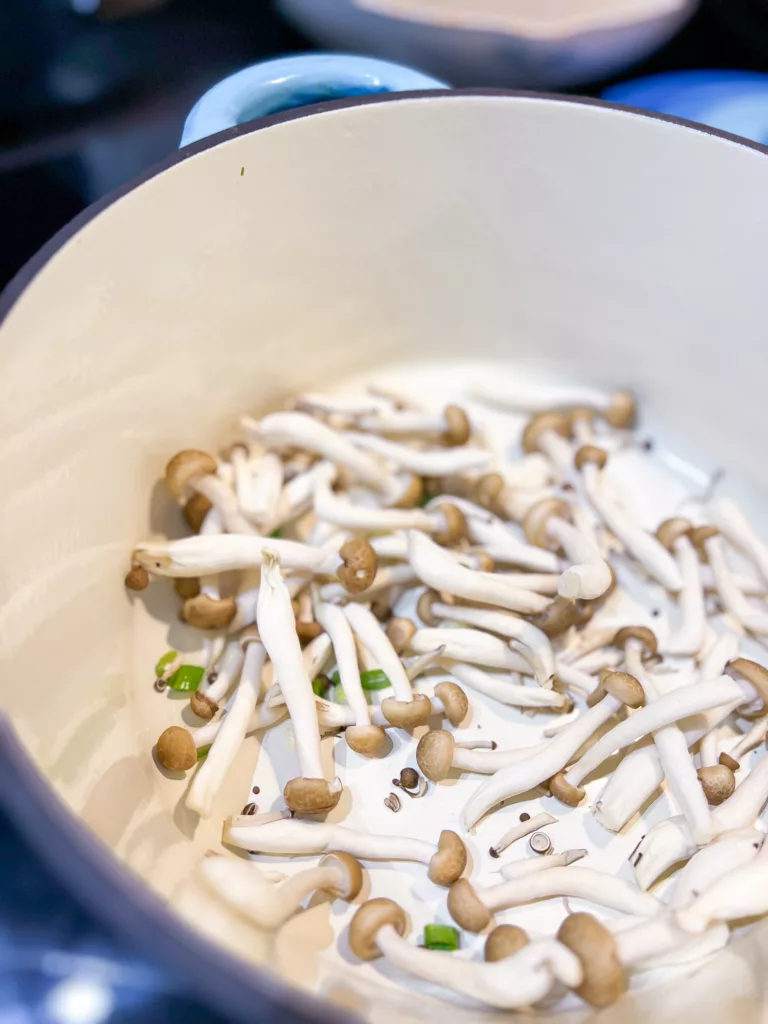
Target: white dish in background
[[542, 44]]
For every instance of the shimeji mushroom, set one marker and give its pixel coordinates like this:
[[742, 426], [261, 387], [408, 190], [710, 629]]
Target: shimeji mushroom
[[445, 860], [533, 865], [744, 806], [354, 562], [749, 741], [756, 676], [647, 549], [297, 494], [310, 793], [451, 426], [504, 941], [267, 904], [688, 638], [438, 751], [229, 738], [712, 547], [550, 433], [362, 737], [205, 702], [618, 408], [299, 430], [525, 638], [507, 690], [546, 525], [619, 690], [390, 578], [189, 471], [473, 907], [404, 709], [743, 892], [469, 645], [428, 462], [446, 523], [727, 853], [520, 830], [519, 980], [733, 524], [348, 407]]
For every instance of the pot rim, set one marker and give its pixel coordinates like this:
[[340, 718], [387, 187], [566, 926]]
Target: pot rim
[[82, 863]]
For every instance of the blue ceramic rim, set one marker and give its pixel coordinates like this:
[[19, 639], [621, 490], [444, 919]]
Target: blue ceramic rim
[[88, 869]]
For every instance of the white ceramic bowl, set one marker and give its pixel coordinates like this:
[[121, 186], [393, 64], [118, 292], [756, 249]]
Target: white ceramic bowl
[[529, 44], [570, 237]]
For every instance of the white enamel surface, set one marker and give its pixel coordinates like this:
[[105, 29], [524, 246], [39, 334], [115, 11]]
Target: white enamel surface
[[521, 231]]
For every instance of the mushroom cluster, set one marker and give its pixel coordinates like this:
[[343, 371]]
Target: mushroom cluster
[[382, 581]]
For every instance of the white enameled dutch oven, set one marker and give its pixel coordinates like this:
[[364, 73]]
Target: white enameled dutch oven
[[585, 241]]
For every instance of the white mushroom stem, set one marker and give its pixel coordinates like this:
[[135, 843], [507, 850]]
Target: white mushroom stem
[[741, 893], [410, 421], [514, 503], [349, 406], [227, 670], [574, 678], [661, 942], [514, 982], [522, 829], [733, 600], [417, 665], [342, 512], [542, 583], [211, 773], [589, 576], [277, 628], [469, 645], [688, 638], [580, 883], [367, 627], [676, 762], [266, 487], [336, 625], [495, 537], [527, 397], [487, 762], [733, 524], [424, 462], [298, 429], [264, 716], [751, 739], [709, 749], [395, 546], [315, 657], [593, 638], [539, 767], [528, 640], [506, 690], [203, 556], [291, 836], [643, 546], [386, 577], [713, 862], [748, 585], [516, 869], [297, 495], [223, 499], [665, 844], [670, 707], [747, 801]]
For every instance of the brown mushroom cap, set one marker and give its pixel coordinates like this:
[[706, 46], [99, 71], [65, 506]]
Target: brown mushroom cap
[[590, 454], [718, 783], [310, 796], [487, 490], [454, 700], [184, 467], [455, 524], [407, 714], [365, 739], [457, 426], [137, 578], [307, 631], [424, 607], [558, 617], [434, 754], [483, 561], [605, 980], [195, 511], [206, 612], [505, 940], [400, 633], [699, 536], [447, 864], [359, 565], [367, 922], [466, 908], [186, 586], [640, 633], [412, 495], [176, 749], [755, 674], [624, 687], [622, 411], [537, 517], [202, 706], [540, 424], [729, 762], [350, 874], [564, 791], [671, 530]]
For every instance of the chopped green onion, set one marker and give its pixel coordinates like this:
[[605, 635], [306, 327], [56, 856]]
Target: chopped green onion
[[375, 679], [335, 677], [320, 685], [276, 533], [187, 678], [165, 661], [441, 936], [203, 751]]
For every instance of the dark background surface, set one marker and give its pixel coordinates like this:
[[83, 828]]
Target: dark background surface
[[87, 102]]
